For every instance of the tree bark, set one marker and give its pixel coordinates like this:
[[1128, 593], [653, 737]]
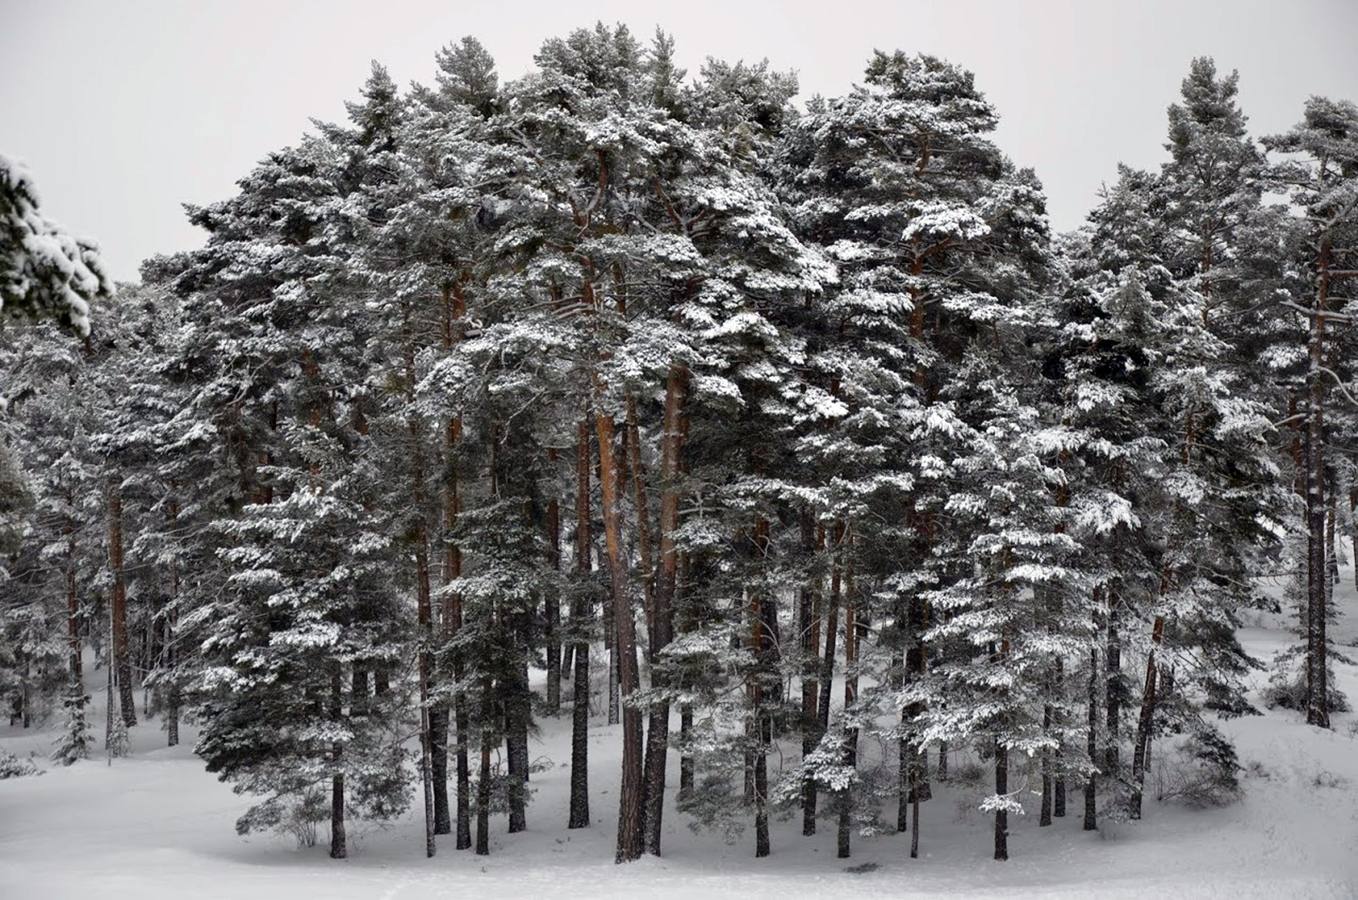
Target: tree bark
[[551, 602], [662, 594], [1317, 688], [72, 608], [450, 612], [1145, 720], [1091, 743], [579, 805], [122, 660], [1001, 789], [483, 798], [339, 848], [1045, 815], [424, 610], [171, 657], [1353, 530], [1059, 776], [845, 800], [808, 623], [1113, 689], [763, 726], [629, 802], [518, 706]]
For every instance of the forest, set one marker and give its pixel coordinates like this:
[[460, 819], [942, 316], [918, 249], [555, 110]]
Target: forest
[[780, 437]]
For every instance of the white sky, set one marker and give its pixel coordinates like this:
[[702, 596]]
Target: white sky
[[124, 109]]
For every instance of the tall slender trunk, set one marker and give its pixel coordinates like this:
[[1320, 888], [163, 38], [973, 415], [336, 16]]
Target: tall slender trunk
[[624, 628], [483, 796], [916, 660], [1113, 684], [666, 579], [72, 608], [1146, 719], [122, 660], [1353, 530], [808, 624], [424, 610], [1001, 788], [1045, 814], [551, 601], [171, 660], [450, 614], [438, 766], [1331, 557], [339, 848], [845, 799], [827, 667], [517, 705], [579, 807], [686, 766], [1059, 788], [1317, 688], [1091, 741], [762, 726]]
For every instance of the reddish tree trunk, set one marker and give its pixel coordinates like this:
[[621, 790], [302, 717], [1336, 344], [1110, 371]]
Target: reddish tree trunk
[[624, 634]]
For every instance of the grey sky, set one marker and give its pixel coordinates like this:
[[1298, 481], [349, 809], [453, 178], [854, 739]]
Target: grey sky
[[123, 110]]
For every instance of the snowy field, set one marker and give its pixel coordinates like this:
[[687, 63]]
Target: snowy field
[[156, 825]]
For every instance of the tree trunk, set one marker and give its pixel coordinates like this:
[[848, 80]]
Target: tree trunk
[[662, 594], [1001, 789], [685, 761], [122, 660], [518, 706], [579, 807], [1317, 688], [450, 613], [438, 766], [483, 798], [845, 800], [629, 800], [827, 667], [424, 610], [1331, 557], [171, 661], [808, 623], [72, 609], [551, 602], [1145, 720], [1353, 530], [1045, 815], [761, 648], [1113, 689], [1091, 744], [338, 846]]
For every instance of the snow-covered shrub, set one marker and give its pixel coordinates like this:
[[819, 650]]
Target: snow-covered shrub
[[116, 742], [1287, 683], [710, 806], [301, 818], [1324, 778], [295, 814], [12, 766], [75, 739], [1201, 773]]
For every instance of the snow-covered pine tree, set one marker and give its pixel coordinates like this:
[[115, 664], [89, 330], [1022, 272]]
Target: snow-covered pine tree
[[1322, 180], [44, 272]]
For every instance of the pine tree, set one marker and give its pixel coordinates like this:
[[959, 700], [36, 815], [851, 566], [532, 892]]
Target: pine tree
[[44, 272], [1324, 187]]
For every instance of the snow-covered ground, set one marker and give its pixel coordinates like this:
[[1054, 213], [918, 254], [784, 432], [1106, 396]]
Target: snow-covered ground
[[156, 825]]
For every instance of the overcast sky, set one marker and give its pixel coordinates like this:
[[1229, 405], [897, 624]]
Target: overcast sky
[[123, 110]]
